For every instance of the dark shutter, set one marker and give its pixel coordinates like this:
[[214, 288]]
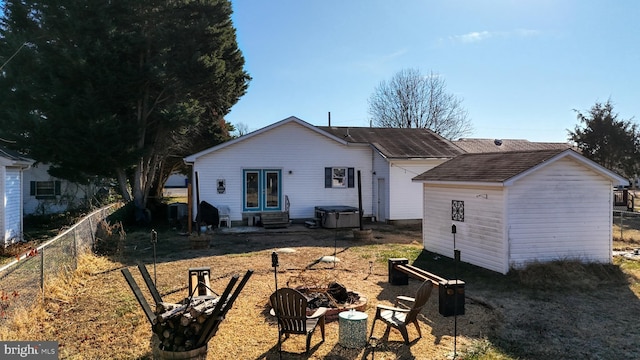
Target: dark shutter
[[56, 185], [327, 177], [32, 191], [350, 181]]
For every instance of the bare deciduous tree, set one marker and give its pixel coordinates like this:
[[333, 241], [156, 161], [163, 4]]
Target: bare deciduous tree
[[241, 129], [411, 100]]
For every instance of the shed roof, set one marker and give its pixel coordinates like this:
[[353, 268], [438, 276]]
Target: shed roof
[[504, 145], [503, 166], [398, 143]]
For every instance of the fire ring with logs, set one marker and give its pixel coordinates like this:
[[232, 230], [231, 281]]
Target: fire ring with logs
[[336, 298]]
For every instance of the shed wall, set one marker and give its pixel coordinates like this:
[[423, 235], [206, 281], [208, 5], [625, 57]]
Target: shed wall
[[12, 206], [562, 211], [479, 237], [290, 148], [3, 174]]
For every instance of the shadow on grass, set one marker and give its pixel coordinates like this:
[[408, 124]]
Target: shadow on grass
[[562, 309]]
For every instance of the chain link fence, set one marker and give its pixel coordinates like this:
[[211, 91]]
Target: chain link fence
[[24, 279], [626, 226]]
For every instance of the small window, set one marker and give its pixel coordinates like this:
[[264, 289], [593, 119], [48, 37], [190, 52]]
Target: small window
[[338, 177], [45, 189]]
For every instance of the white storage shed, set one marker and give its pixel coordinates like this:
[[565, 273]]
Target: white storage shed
[[513, 208]]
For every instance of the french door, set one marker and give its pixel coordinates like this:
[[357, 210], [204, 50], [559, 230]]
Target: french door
[[262, 190]]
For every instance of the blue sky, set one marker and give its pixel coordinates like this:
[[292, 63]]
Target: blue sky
[[521, 66]]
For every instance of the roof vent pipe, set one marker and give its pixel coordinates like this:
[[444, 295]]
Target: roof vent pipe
[[329, 118]]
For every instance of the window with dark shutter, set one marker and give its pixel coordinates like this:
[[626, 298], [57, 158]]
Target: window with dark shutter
[[350, 180], [339, 177], [45, 189], [327, 177]]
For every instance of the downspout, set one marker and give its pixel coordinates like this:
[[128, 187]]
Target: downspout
[[374, 197]]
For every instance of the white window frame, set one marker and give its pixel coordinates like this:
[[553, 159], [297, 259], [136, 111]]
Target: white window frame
[[339, 177]]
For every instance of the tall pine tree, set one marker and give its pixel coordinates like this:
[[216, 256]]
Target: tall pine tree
[[119, 88], [607, 140]]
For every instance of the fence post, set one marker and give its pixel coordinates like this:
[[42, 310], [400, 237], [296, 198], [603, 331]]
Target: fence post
[[42, 270], [93, 232], [75, 248]]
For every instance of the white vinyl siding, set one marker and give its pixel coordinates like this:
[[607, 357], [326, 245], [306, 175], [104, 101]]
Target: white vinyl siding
[[12, 206], [301, 154], [479, 237], [380, 196], [562, 212], [404, 194], [67, 195]]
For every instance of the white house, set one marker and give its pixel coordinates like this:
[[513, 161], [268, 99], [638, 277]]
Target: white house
[[513, 208], [175, 186], [46, 194], [318, 166], [12, 166]]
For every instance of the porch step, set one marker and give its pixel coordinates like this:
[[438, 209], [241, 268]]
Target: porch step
[[276, 219]]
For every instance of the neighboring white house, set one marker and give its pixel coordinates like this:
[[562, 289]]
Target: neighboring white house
[[513, 208], [175, 186], [46, 194], [12, 166], [318, 166]]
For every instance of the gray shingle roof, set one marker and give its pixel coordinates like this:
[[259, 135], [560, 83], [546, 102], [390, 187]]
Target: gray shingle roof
[[398, 143], [491, 145], [487, 167], [13, 156]]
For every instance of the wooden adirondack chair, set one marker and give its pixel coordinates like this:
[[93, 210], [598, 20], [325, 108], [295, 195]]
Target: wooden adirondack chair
[[290, 307], [399, 318]]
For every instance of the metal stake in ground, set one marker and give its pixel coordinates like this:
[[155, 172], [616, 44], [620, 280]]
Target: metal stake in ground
[[274, 264], [154, 241], [335, 240], [456, 258]]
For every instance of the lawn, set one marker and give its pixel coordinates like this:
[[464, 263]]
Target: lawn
[[562, 310]]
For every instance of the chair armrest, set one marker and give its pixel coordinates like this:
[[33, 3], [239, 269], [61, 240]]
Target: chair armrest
[[385, 307], [405, 298], [318, 313]]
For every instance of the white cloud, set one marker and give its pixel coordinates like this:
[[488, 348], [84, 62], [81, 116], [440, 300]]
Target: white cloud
[[472, 36], [476, 36]]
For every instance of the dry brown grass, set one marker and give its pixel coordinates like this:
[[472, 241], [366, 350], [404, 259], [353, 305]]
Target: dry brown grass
[[94, 315]]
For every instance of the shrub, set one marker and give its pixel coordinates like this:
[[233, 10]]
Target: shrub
[[109, 238]]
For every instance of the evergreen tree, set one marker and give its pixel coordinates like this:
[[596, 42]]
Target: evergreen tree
[[119, 88], [605, 139]]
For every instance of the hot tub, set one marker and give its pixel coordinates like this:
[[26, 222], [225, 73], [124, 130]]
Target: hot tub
[[338, 216]]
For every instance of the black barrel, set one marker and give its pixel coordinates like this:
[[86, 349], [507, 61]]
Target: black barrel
[[451, 297], [397, 277]]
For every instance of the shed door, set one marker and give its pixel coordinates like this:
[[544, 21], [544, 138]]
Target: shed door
[[262, 190]]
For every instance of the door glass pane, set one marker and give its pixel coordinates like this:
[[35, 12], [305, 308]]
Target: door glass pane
[[273, 190], [251, 189]]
